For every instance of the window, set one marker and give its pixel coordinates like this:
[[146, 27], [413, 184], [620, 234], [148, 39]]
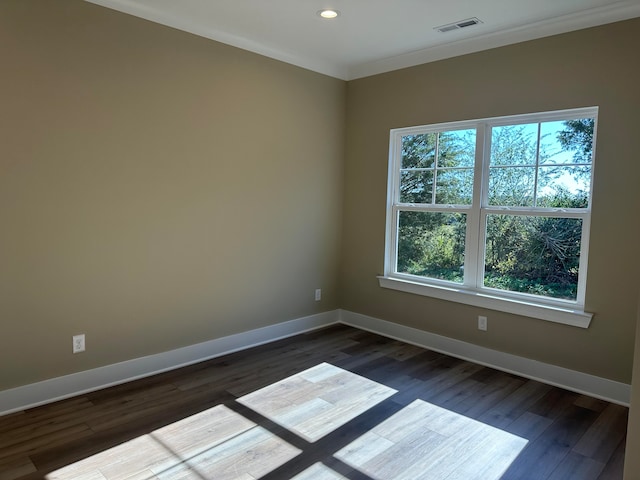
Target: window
[[494, 212]]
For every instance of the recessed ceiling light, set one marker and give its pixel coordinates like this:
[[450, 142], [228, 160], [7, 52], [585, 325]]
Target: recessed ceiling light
[[328, 13]]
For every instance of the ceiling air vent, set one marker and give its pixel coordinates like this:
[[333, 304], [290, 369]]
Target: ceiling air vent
[[458, 25]]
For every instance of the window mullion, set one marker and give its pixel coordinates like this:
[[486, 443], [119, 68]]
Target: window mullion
[[473, 218], [538, 212], [435, 170], [484, 202], [537, 170]]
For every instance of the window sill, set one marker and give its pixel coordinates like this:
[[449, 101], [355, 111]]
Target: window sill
[[551, 313]]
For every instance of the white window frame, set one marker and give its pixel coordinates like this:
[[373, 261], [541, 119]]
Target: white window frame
[[471, 291]]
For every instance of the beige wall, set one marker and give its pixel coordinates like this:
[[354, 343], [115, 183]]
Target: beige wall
[[632, 462], [157, 189], [584, 68]]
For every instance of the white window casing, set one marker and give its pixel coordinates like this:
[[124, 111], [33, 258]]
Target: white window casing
[[471, 290]]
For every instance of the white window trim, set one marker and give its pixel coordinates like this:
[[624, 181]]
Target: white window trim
[[557, 314], [553, 310]]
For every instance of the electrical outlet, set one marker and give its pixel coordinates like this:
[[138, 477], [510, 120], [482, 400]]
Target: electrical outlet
[[482, 323], [78, 343], [318, 294]]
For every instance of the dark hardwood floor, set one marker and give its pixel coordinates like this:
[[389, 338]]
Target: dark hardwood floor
[[566, 436]]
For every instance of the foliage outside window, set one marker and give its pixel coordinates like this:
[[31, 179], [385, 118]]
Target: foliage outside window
[[498, 206]]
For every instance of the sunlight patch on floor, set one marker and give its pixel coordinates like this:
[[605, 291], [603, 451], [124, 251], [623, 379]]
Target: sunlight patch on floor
[[423, 441], [216, 443], [318, 471], [317, 401]]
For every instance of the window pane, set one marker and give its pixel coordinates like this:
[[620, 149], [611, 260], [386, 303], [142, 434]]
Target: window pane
[[457, 148], [416, 186], [514, 145], [564, 187], [454, 186], [535, 255], [511, 186], [431, 244], [569, 141], [419, 151]]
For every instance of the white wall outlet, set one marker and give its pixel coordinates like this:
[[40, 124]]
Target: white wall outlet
[[482, 323], [318, 294], [78, 343]]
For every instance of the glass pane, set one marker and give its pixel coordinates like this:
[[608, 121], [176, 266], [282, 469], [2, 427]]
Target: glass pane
[[535, 255], [457, 148], [419, 151], [454, 186], [564, 187], [511, 186], [431, 245], [514, 144], [569, 141], [416, 186]]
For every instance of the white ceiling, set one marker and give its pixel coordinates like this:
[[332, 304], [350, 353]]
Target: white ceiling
[[373, 36]]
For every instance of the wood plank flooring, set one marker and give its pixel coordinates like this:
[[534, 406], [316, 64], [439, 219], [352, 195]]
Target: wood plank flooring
[[337, 403]]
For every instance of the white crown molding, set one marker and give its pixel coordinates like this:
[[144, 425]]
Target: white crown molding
[[589, 18], [598, 387], [157, 16], [567, 23]]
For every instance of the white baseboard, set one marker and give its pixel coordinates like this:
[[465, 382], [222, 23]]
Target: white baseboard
[[59, 388], [615, 392]]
